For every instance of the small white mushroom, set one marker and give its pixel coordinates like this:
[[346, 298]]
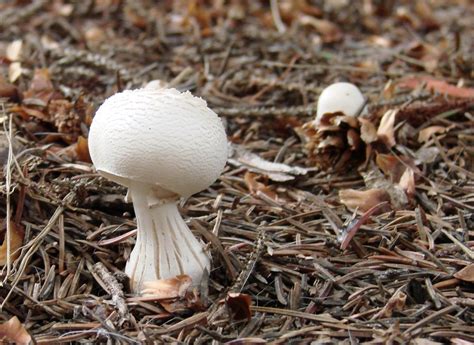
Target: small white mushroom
[[162, 144], [156, 84], [340, 97]]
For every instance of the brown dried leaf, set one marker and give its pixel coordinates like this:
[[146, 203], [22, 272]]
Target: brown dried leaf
[[14, 331], [425, 13], [386, 130], [41, 86], [329, 31], [26, 112], [82, 150], [466, 274], [175, 287], [395, 167], [254, 186], [390, 165], [16, 241], [239, 305], [425, 134], [368, 132], [436, 85], [8, 91], [363, 200]]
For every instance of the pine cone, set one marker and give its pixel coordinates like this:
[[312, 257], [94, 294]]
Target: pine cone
[[338, 141]]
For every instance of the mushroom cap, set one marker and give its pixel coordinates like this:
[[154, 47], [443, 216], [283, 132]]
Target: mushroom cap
[[340, 97], [160, 137]]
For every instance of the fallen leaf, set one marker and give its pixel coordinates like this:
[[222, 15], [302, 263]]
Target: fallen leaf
[[466, 274], [363, 200], [254, 186], [41, 87], [278, 172], [329, 31], [175, 287], [426, 53], [26, 112], [239, 305], [14, 331], [8, 91], [386, 130], [396, 166], [16, 241], [391, 165], [436, 85], [82, 150], [13, 51], [425, 13], [14, 71], [425, 134]]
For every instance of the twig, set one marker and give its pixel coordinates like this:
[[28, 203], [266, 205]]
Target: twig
[[276, 16], [430, 318], [302, 110], [114, 288], [465, 249]]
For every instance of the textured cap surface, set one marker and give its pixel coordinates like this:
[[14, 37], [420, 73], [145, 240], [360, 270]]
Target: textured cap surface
[[161, 137], [340, 97]]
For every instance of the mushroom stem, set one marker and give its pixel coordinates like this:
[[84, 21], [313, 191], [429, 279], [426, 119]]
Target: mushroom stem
[[165, 246]]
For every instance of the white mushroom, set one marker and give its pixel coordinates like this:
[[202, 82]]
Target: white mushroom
[[162, 145], [340, 97], [156, 84]]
